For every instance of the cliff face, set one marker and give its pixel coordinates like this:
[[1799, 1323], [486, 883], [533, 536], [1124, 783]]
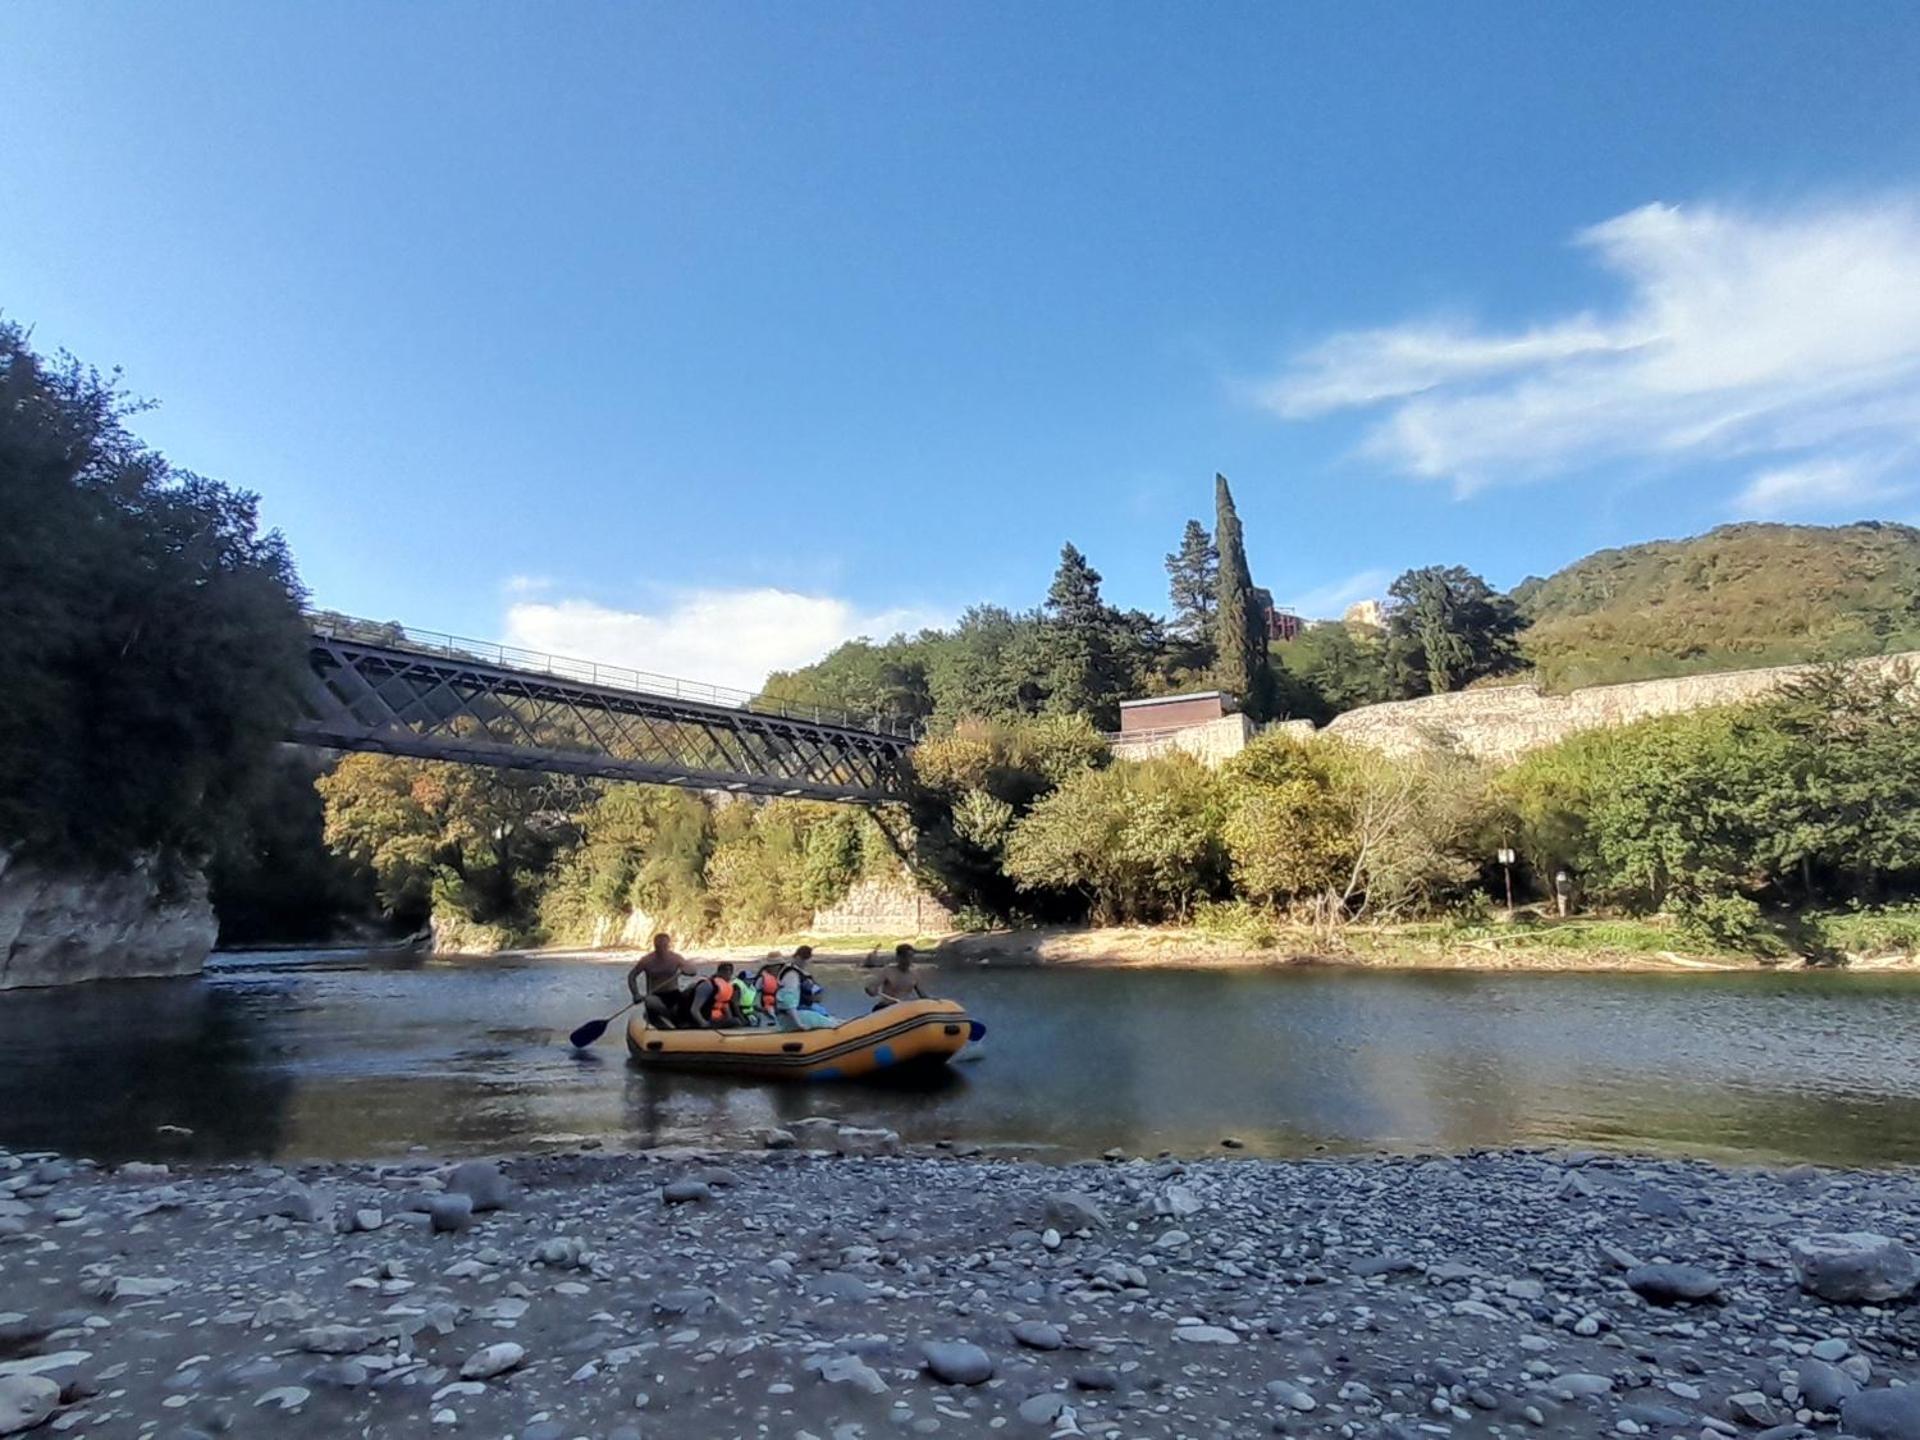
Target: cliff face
[[58, 926]]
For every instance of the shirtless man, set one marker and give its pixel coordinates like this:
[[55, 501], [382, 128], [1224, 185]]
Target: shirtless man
[[662, 968], [897, 982]]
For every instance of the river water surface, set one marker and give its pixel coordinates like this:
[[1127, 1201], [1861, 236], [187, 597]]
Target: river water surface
[[346, 1055]]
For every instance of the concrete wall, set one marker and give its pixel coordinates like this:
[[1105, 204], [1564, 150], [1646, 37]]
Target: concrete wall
[[1502, 723], [1212, 744], [62, 926]]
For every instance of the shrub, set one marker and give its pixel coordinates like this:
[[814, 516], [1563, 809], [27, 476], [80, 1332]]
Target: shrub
[[1730, 924]]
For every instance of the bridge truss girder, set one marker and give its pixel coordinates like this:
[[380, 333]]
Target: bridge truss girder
[[395, 701]]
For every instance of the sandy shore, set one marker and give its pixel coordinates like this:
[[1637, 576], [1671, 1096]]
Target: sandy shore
[[1151, 947], [794, 1294]]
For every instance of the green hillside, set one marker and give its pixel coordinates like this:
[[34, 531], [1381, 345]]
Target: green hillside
[[1734, 598]]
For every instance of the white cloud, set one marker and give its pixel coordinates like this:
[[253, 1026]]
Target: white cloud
[[1330, 601], [733, 638], [1824, 485], [1783, 336], [526, 584]]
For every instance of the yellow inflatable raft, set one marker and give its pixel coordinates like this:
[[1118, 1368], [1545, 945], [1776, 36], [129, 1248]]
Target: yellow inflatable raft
[[911, 1035]]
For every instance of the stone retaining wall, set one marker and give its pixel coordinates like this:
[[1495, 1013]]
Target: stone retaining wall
[[1502, 723], [884, 907]]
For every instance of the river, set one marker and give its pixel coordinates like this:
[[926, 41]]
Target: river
[[343, 1055]]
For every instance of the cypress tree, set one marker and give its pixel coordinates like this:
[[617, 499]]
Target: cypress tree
[[1239, 627]]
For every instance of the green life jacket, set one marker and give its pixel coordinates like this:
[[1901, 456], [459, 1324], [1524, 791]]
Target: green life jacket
[[747, 992]]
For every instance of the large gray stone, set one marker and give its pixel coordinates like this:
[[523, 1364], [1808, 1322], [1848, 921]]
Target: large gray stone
[[26, 1401], [1072, 1210], [481, 1182], [1673, 1284], [856, 1140], [1854, 1267], [450, 1214], [493, 1360], [849, 1370], [1882, 1414], [956, 1362], [1824, 1386]]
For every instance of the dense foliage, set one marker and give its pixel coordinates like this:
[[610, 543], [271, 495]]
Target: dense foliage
[[1812, 796], [536, 857], [150, 633]]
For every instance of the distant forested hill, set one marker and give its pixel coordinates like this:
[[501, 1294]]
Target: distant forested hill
[[1734, 598]]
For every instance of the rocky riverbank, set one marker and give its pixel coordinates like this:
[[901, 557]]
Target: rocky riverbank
[[796, 1294]]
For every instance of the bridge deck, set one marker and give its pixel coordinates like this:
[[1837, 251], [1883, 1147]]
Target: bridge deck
[[387, 697]]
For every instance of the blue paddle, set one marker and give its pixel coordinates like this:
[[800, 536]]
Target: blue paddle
[[976, 1031]]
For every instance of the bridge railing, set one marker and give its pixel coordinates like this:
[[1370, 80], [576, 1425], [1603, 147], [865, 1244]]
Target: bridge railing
[[590, 672]]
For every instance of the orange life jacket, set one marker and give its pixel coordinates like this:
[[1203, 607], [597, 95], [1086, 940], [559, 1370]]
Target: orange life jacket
[[769, 988], [722, 999]]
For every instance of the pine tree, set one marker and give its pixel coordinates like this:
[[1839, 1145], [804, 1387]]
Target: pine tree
[[1074, 596], [1239, 626], [1192, 579], [1082, 641]]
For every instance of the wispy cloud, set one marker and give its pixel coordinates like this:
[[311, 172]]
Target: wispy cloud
[[723, 637], [1330, 601], [526, 584], [1817, 485], [1787, 337]]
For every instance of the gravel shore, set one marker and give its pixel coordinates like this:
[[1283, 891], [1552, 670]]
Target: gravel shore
[[800, 1293]]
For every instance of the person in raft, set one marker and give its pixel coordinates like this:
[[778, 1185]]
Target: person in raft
[[897, 982], [661, 968], [797, 996], [716, 1000]]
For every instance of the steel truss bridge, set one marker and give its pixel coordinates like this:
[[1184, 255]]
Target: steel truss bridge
[[399, 691]]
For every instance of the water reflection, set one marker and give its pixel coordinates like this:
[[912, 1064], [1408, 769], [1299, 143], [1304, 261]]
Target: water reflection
[[334, 1056]]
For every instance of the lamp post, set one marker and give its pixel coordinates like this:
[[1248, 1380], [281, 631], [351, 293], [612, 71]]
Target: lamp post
[[1506, 857]]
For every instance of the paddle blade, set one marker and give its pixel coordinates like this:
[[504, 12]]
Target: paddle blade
[[588, 1033], [976, 1031]]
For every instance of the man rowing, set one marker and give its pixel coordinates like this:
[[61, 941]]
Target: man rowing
[[662, 968]]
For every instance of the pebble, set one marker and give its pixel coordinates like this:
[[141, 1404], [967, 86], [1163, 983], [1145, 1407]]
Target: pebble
[[1205, 1335], [1290, 1396], [686, 1192]]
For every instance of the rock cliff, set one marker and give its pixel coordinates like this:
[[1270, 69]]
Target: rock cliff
[[62, 926]]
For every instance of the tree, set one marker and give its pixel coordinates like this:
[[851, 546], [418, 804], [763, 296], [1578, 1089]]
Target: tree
[[150, 631], [1336, 668], [1136, 842], [452, 840], [1447, 627], [1092, 655], [861, 679], [1193, 579], [1239, 626], [987, 666]]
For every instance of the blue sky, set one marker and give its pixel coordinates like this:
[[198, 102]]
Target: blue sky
[[697, 337]]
